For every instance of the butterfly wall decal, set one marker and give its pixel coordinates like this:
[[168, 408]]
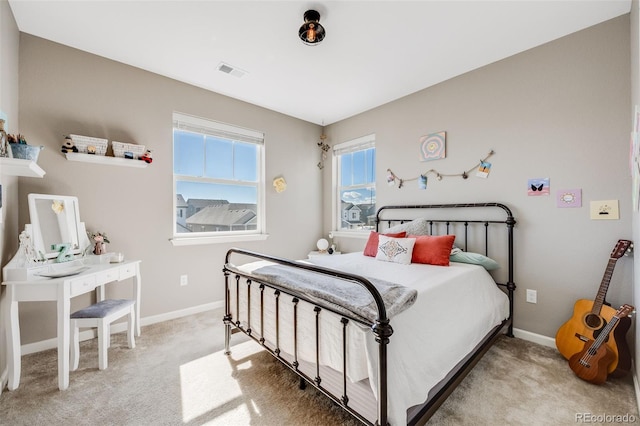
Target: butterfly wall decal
[[537, 187]]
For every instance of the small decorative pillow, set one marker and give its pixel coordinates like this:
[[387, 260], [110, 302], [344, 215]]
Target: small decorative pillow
[[371, 249], [418, 226], [458, 255], [433, 250], [397, 250]]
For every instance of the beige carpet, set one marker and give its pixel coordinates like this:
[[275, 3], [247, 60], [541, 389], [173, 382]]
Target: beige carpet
[[177, 375]]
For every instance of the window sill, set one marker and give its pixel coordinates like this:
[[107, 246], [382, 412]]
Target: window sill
[[361, 235], [194, 241]]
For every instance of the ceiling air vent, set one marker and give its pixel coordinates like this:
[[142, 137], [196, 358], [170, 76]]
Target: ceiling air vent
[[231, 70]]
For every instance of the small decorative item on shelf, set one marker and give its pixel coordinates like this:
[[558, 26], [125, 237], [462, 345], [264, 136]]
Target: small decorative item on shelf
[[88, 144], [146, 157], [4, 140], [127, 150], [20, 149], [68, 145], [100, 240]]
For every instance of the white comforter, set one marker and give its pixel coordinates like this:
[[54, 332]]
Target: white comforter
[[455, 308]]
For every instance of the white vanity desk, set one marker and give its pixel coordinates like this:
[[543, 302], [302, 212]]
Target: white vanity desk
[[60, 290]]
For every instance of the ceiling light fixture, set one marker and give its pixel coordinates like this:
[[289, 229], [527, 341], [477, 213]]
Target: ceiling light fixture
[[311, 32]]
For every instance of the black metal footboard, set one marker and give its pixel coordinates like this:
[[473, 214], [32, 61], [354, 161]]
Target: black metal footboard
[[381, 328]]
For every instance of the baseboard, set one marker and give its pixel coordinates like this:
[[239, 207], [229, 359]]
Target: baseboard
[[534, 337], [120, 327], [44, 345], [179, 314], [636, 385], [4, 378]]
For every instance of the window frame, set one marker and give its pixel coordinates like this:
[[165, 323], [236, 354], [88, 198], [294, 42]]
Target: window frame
[[358, 144], [208, 127]]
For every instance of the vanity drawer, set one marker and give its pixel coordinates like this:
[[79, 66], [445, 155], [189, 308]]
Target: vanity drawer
[[127, 271], [82, 285], [107, 276]]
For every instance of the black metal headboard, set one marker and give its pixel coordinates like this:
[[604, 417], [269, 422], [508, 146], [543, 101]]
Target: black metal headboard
[[442, 221]]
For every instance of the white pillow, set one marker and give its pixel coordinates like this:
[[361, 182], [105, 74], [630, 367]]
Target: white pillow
[[397, 250], [419, 226]]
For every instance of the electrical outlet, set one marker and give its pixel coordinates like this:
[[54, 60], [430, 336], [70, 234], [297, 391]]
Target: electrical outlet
[[532, 296], [184, 280]]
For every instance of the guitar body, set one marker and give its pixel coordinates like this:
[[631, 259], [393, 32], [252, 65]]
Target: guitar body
[[593, 362], [584, 326], [592, 365], [591, 317]]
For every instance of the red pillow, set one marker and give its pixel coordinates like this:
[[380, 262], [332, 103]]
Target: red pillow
[[434, 250], [371, 249]]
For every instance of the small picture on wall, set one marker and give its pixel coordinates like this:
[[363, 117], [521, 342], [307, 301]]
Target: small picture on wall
[[422, 182], [605, 210], [483, 170], [538, 186], [432, 146], [569, 198]]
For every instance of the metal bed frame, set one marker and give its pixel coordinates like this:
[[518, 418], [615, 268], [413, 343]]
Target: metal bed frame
[[381, 327]]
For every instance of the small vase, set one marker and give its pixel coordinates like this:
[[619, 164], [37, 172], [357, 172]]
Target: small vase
[[100, 248]]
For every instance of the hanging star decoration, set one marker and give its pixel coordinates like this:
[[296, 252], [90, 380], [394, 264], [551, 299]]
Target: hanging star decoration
[[392, 178]]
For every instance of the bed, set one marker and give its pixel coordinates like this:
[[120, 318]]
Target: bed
[[388, 341]]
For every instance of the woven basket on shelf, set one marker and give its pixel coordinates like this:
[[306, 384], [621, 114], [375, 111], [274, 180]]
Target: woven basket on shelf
[[90, 145], [127, 150]]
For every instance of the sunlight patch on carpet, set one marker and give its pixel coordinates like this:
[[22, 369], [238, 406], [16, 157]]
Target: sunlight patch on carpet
[[209, 384]]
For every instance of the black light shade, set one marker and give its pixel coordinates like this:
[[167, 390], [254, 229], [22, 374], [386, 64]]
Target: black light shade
[[311, 32]]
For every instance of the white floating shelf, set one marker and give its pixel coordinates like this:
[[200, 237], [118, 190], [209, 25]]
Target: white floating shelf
[[19, 167], [103, 159]]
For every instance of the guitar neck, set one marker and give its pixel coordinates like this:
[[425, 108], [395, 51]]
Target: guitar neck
[[604, 287], [620, 313], [602, 337]]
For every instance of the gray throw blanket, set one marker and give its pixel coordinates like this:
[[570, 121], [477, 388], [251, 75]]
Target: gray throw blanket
[[346, 297]]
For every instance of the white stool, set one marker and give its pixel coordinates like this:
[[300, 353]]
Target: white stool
[[101, 315]]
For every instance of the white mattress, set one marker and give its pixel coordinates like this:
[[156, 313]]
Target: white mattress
[[455, 308]]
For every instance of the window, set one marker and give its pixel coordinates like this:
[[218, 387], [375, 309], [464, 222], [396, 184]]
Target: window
[[217, 177], [356, 184]]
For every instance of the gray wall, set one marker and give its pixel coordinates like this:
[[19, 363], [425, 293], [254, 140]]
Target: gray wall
[[9, 42], [561, 111], [63, 90]]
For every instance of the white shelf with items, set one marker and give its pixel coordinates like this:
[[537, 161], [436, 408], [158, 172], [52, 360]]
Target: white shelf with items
[[103, 159], [19, 167]]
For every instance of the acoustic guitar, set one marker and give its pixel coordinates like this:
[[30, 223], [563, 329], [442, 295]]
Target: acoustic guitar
[[590, 317], [592, 363]]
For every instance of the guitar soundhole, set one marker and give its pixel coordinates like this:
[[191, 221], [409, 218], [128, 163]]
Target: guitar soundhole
[[593, 321]]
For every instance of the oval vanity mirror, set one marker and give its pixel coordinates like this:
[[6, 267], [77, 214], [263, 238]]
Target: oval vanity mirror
[[55, 219]]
